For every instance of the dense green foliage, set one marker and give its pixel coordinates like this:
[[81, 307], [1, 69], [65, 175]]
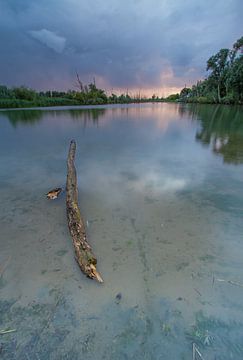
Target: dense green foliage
[[21, 97], [224, 84], [173, 97]]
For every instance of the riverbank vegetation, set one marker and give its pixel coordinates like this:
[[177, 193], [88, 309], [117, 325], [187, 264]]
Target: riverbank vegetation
[[224, 84], [23, 97]]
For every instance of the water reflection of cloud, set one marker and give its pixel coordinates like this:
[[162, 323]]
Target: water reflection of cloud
[[159, 183], [106, 178]]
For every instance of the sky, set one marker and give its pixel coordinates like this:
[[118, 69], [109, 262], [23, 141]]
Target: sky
[[146, 46]]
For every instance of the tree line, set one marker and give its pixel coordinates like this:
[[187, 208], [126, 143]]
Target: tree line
[[85, 95], [224, 84]]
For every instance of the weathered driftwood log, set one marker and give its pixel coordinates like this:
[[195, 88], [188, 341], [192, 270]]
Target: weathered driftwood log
[[84, 256]]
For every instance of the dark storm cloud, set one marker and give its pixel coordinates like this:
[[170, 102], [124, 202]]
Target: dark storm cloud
[[143, 43]]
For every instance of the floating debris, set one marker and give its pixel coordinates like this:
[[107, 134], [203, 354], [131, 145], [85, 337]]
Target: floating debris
[[8, 331], [118, 298], [196, 352], [53, 194], [236, 283]]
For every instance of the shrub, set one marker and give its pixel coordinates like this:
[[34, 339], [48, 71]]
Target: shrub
[[228, 100], [204, 100], [24, 93]]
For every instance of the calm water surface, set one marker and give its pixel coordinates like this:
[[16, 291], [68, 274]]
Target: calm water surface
[[160, 186]]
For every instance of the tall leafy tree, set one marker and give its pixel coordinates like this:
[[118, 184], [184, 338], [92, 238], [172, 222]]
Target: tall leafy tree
[[235, 78], [218, 65]]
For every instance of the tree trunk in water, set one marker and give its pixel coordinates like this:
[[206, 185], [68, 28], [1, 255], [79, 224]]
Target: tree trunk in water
[[219, 97], [83, 252]]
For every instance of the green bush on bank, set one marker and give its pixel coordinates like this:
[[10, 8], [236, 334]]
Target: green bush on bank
[[14, 103], [228, 99], [18, 103], [200, 100], [55, 102], [173, 97]]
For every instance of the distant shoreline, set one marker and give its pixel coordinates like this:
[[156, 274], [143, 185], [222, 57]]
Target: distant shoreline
[[80, 106], [102, 106]]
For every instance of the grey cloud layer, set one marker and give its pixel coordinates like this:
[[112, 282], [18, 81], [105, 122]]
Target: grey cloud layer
[[146, 43], [50, 39]]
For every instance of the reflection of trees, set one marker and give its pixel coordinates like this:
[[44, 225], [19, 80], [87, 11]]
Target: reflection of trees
[[87, 115], [183, 109], [222, 129], [29, 117]]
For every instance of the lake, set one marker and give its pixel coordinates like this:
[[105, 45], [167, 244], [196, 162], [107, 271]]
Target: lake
[[160, 189]]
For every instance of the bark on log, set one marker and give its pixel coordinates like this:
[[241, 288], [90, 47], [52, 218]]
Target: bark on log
[[83, 252]]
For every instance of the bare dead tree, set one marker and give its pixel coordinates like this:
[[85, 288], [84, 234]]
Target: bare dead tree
[[79, 83]]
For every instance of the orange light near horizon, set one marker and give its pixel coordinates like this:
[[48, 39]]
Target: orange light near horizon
[[161, 92]]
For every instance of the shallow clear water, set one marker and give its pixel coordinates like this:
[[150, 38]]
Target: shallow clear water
[[160, 186]]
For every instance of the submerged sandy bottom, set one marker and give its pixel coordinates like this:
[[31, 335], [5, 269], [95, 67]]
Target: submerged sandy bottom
[[164, 232]]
